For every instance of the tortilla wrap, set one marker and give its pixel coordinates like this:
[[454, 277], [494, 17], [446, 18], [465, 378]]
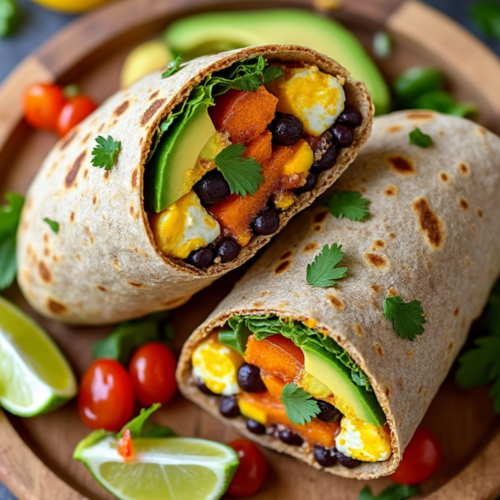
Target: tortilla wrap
[[103, 265], [433, 235]]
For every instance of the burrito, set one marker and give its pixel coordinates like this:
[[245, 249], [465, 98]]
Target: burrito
[[339, 375], [199, 169]]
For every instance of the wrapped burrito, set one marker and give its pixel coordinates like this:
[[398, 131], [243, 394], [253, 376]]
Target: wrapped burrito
[[341, 376], [200, 169]]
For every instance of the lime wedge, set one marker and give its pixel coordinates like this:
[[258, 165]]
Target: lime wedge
[[34, 375], [173, 468]]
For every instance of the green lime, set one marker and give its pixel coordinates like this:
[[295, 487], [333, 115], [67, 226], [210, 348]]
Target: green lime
[[34, 375], [173, 468]]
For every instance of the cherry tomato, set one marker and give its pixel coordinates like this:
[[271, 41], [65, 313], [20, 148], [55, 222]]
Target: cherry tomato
[[75, 111], [420, 459], [42, 104], [106, 397], [252, 469], [152, 370]]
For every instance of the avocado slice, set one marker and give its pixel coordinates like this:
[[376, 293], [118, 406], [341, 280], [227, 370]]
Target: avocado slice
[[337, 377], [212, 31], [167, 173]]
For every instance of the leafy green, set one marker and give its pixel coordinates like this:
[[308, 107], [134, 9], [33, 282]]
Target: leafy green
[[244, 175], [348, 204], [300, 406], [9, 17], [486, 16], [299, 334], [394, 492], [237, 337], [141, 427], [443, 102], [406, 317], [418, 138], [53, 224], [130, 335], [172, 67], [104, 155], [272, 72], [322, 271], [10, 215]]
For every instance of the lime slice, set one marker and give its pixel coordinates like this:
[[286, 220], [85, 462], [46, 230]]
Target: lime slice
[[166, 469], [34, 376]]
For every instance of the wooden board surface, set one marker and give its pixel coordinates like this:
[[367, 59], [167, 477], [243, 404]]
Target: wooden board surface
[[35, 454]]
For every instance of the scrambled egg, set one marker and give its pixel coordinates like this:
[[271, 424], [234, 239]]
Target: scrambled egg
[[363, 441], [217, 365], [314, 97], [184, 226]]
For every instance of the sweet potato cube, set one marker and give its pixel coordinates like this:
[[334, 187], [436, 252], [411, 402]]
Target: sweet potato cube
[[244, 115]]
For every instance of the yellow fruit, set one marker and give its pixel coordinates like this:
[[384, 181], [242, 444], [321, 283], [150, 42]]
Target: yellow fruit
[[72, 6], [144, 59]]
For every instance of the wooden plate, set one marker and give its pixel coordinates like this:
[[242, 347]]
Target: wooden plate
[[35, 454]]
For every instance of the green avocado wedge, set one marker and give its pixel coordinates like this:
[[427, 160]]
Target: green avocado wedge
[[216, 31]]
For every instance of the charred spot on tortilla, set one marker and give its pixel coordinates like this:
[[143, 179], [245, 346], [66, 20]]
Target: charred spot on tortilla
[[464, 204], [102, 288], [445, 177], [101, 128], [358, 330], [282, 267], [286, 255], [378, 349], [320, 217], [56, 307], [335, 302], [317, 227], [420, 116], [151, 111], [467, 261], [44, 272], [135, 175], [134, 284], [310, 247], [429, 223], [378, 244], [86, 138], [375, 260], [463, 168], [391, 190], [72, 174], [394, 128], [67, 140], [94, 200], [376, 288], [121, 108], [480, 213], [72, 217], [456, 311], [481, 131], [153, 95], [258, 304], [401, 165]]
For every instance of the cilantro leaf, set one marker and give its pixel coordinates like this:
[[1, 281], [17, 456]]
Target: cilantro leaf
[[10, 215], [272, 73], [244, 175], [237, 337], [172, 67], [348, 204], [406, 317], [394, 492], [53, 224], [418, 138], [322, 272], [104, 155], [486, 16], [300, 406]]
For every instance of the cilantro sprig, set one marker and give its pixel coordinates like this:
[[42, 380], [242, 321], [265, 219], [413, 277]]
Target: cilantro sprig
[[53, 224], [104, 155], [486, 16], [394, 492], [348, 204], [172, 67], [244, 175], [10, 215], [300, 406], [322, 272], [418, 138], [407, 318]]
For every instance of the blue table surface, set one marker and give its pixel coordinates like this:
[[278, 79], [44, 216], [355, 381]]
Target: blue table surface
[[39, 24]]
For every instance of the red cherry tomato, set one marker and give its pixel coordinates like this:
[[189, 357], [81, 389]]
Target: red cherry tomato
[[106, 397], [75, 111], [42, 104], [420, 459], [152, 370], [252, 469]]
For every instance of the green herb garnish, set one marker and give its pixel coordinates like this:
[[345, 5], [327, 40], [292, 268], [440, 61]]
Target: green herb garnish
[[53, 224], [300, 406], [10, 215], [486, 16], [172, 67], [418, 138], [104, 155], [141, 427], [394, 492], [348, 204], [9, 17], [406, 317], [237, 337], [244, 175], [322, 271], [272, 72]]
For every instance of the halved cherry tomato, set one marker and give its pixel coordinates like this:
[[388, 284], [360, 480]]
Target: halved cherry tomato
[[42, 104], [106, 397], [152, 370], [421, 459], [252, 469], [74, 112]]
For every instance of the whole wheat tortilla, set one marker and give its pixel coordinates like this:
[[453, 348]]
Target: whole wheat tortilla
[[103, 265], [433, 235]]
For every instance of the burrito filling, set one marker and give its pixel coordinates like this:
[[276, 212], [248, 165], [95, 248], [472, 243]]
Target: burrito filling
[[205, 197], [268, 369]]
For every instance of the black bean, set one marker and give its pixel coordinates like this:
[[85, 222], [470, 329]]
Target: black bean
[[311, 181], [228, 407], [350, 117], [203, 387], [249, 378], [345, 461], [212, 187], [201, 258], [342, 135], [324, 456], [328, 413], [255, 427], [286, 129], [290, 437], [228, 250], [266, 222], [328, 159]]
